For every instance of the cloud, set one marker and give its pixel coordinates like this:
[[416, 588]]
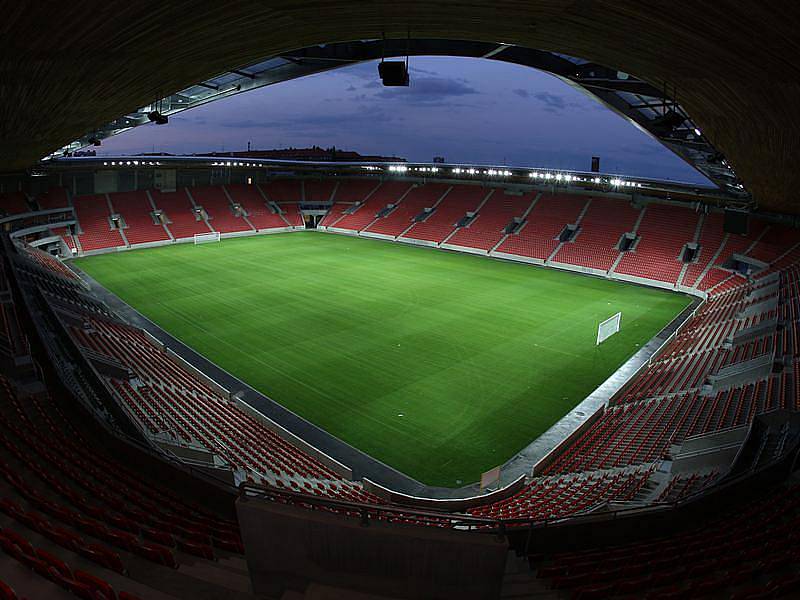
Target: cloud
[[429, 90], [552, 102], [350, 88], [521, 93]]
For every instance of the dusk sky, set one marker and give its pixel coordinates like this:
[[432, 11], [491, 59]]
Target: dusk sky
[[467, 110]]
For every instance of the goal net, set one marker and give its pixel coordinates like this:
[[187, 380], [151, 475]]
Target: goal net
[[202, 238], [608, 328]]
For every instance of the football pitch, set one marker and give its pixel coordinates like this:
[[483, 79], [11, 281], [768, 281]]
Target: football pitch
[[441, 365]]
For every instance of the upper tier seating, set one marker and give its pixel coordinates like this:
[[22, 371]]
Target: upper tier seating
[[355, 190], [459, 201], [13, 203], [136, 211], [402, 217], [251, 200], [55, 197], [663, 232], [94, 218], [318, 192], [283, 190], [539, 235], [178, 208], [388, 193], [488, 227], [774, 243], [740, 243], [600, 231], [219, 209]]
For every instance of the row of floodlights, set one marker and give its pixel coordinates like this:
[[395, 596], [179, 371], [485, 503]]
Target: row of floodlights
[[132, 163], [558, 177], [404, 169]]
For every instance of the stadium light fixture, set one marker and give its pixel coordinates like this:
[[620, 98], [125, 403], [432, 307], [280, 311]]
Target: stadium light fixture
[[156, 117]]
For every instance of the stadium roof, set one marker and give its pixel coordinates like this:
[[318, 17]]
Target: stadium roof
[[72, 68]]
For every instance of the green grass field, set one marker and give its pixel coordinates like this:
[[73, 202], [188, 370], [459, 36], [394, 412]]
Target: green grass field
[[442, 365]]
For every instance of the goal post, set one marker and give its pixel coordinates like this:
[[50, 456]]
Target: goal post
[[608, 328], [202, 238]]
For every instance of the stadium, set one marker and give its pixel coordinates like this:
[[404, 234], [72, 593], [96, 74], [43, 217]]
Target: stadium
[[320, 375]]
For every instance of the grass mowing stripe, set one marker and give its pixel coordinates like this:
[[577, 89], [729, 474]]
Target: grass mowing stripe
[[478, 356]]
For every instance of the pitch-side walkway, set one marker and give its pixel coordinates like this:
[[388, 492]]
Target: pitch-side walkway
[[364, 465]]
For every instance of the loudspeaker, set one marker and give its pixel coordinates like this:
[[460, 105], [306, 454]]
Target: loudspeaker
[[393, 73], [736, 221]]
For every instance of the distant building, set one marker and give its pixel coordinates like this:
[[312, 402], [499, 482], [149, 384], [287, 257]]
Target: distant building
[[315, 153]]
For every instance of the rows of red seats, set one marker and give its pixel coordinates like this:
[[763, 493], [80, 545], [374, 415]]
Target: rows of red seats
[[682, 486], [95, 223], [412, 204], [600, 231], [136, 211], [283, 190], [54, 197], [214, 201], [318, 192], [255, 206], [710, 241], [167, 400], [292, 213], [538, 237], [663, 232], [487, 229], [460, 200], [335, 213], [183, 223], [751, 552], [561, 496], [12, 203], [388, 193], [89, 505]]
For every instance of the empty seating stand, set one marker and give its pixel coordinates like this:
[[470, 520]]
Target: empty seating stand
[[318, 192], [255, 206], [711, 238], [55, 197], [461, 199], [95, 223], [412, 204], [488, 228], [12, 203], [601, 228], [388, 193], [335, 213], [215, 202], [538, 237], [136, 211], [283, 190], [179, 210], [292, 214], [663, 233]]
